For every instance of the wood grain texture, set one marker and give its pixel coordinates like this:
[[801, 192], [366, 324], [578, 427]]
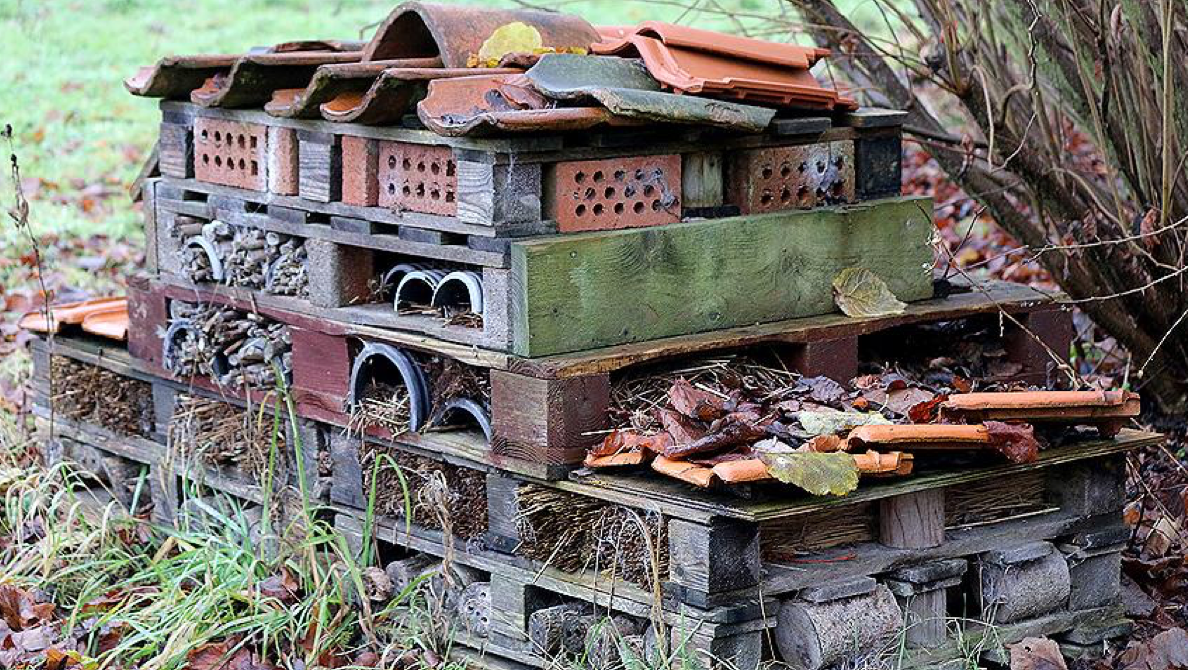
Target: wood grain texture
[[547, 420], [175, 151], [913, 521], [702, 177], [491, 194], [579, 292], [320, 166], [720, 556], [878, 165]]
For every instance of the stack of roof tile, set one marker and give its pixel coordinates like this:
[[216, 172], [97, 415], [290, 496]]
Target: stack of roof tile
[[655, 72]]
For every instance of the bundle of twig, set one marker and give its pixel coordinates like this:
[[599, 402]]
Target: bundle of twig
[[222, 434], [90, 393], [236, 348], [385, 406], [441, 496], [637, 395], [453, 379], [555, 527], [632, 545], [288, 274]]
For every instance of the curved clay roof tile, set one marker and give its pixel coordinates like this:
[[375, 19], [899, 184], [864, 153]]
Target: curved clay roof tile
[[454, 32]]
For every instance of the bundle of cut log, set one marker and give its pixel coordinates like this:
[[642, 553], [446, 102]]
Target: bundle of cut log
[[233, 347], [217, 252]]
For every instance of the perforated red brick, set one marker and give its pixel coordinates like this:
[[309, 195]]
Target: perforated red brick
[[418, 178], [231, 153], [811, 175], [615, 193]]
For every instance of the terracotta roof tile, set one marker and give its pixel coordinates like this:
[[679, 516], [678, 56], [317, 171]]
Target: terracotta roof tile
[[626, 88], [919, 437], [454, 32], [472, 105], [894, 463], [110, 322], [393, 94], [254, 77], [330, 81], [685, 471], [690, 60], [742, 471], [70, 314], [624, 459], [1108, 411]]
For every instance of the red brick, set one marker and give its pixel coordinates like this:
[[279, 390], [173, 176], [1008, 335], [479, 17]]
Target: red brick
[[614, 193], [418, 178], [360, 179], [783, 178], [231, 153], [283, 171]]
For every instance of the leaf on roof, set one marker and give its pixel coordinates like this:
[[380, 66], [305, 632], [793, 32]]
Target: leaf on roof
[[819, 474], [514, 37], [860, 293]]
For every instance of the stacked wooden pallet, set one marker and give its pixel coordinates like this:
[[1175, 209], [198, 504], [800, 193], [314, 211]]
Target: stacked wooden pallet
[[461, 308]]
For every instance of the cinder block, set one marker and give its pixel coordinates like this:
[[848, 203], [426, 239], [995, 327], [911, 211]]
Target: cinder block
[[1096, 581], [338, 275], [283, 161], [360, 162]]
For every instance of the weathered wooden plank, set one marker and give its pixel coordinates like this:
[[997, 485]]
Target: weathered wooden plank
[[989, 298], [492, 195], [913, 521], [319, 166], [548, 421], [707, 275]]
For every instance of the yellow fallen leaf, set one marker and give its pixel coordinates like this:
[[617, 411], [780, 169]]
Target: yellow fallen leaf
[[514, 37]]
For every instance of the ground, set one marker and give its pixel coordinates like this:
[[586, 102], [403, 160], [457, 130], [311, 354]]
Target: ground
[[79, 140]]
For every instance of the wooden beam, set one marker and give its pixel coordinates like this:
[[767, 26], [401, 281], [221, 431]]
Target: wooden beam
[[579, 292]]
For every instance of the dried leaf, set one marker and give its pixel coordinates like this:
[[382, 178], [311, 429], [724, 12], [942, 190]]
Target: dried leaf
[[826, 444], [693, 402], [514, 37], [831, 421], [1168, 649], [819, 474], [1036, 653], [682, 429], [624, 441], [1016, 441], [860, 293], [824, 390], [735, 430]]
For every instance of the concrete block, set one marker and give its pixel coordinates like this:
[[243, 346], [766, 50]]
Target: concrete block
[[338, 275]]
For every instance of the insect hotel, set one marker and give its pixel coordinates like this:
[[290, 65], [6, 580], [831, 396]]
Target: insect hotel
[[631, 326]]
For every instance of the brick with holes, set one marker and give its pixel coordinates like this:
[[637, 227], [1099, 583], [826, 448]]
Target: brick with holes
[[231, 153], [418, 178], [616, 193], [796, 177]]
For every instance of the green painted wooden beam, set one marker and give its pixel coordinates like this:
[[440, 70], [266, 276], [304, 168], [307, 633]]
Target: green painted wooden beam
[[577, 292]]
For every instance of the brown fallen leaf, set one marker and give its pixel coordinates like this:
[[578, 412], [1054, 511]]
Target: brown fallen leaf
[[1036, 653], [826, 444], [682, 429], [1167, 650], [693, 402], [629, 441], [1016, 441], [732, 432]]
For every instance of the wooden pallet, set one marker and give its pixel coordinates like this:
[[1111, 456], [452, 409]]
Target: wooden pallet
[[736, 562], [546, 411], [686, 277], [336, 166]]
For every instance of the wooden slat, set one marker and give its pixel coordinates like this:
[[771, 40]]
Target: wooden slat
[[989, 299], [577, 292]]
